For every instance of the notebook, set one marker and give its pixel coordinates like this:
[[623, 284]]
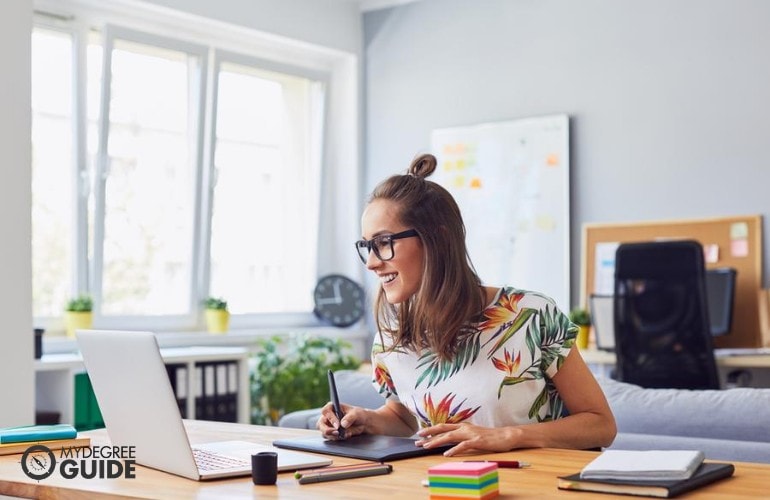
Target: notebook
[[364, 446], [139, 409], [643, 464], [707, 473]]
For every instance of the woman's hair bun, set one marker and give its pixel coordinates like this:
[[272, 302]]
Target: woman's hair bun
[[423, 165]]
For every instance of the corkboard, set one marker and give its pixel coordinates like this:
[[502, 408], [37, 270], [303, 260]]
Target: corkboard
[[739, 243]]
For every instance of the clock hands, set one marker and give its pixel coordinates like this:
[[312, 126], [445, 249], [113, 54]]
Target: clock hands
[[337, 299]]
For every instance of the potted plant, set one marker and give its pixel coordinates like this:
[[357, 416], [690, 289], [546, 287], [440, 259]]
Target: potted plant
[[290, 374], [217, 315], [582, 318], [79, 314]]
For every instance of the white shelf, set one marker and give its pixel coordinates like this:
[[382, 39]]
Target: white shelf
[[55, 377]]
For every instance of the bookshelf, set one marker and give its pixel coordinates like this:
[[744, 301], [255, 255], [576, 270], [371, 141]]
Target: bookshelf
[[211, 383]]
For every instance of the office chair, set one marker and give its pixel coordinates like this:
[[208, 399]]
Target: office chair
[[662, 329]]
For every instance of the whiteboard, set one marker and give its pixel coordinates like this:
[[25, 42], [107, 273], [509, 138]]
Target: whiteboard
[[511, 181]]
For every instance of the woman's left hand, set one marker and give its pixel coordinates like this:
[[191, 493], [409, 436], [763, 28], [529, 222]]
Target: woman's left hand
[[467, 438]]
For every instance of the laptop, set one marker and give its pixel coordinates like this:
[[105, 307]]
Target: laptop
[[139, 409]]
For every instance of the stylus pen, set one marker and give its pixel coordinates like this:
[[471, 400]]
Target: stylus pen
[[336, 403], [319, 477], [504, 464]]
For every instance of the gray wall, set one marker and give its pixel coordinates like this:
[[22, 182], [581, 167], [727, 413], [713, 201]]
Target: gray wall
[[669, 101]]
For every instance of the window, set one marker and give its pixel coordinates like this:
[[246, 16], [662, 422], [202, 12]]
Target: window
[[53, 171], [201, 176], [267, 177]]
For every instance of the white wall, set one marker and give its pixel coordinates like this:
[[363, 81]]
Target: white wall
[[669, 101], [16, 339], [334, 24]]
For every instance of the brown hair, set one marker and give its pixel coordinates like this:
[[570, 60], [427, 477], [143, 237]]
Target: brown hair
[[449, 296]]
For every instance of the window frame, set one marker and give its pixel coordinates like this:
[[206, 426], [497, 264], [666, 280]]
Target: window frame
[[340, 155], [111, 33]]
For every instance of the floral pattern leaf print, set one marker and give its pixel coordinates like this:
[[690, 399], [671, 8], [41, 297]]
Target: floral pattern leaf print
[[443, 413], [437, 369], [510, 366], [508, 317], [557, 333]]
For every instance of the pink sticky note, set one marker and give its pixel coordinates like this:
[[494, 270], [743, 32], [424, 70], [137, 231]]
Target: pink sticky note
[[463, 468], [739, 248]]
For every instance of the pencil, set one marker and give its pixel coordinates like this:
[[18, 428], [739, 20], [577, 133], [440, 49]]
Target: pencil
[[321, 476]]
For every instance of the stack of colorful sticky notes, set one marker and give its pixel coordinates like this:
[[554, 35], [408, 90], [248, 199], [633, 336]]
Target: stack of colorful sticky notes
[[463, 480]]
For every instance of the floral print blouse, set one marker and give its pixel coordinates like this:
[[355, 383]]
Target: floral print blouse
[[501, 375]]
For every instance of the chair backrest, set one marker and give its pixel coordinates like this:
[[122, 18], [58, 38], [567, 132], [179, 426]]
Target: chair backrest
[[662, 330]]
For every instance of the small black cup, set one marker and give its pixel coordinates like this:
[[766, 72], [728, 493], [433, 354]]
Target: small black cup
[[264, 467], [39, 342]]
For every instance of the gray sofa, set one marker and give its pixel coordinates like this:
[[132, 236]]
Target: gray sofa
[[731, 424]]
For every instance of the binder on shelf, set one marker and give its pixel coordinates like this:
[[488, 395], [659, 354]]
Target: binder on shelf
[[232, 393], [209, 392], [199, 398], [87, 413], [177, 375]]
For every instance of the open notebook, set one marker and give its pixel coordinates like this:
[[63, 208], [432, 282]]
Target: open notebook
[[139, 409]]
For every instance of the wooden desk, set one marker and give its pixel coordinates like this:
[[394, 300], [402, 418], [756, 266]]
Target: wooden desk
[[535, 482]]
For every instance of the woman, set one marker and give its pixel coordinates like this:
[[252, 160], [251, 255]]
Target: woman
[[484, 368]]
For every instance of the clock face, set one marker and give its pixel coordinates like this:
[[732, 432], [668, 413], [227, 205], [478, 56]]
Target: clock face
[[338, 300]]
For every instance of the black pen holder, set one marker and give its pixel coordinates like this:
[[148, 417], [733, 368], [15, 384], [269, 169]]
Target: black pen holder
[[264, 467]]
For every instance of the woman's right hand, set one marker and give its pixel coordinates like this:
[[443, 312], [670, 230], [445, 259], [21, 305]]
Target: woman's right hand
[[353, 421]]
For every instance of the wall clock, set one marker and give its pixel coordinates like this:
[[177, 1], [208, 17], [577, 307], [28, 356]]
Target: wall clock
[[338, 300]]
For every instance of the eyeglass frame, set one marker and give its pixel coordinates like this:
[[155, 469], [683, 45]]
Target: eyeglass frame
[[369, 244]]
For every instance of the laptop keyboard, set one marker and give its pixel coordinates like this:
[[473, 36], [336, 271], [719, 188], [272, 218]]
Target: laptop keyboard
[[210, 461]]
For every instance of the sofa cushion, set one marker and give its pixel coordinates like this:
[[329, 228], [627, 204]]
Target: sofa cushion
[[731, 414], [713, 449], [354, 388]]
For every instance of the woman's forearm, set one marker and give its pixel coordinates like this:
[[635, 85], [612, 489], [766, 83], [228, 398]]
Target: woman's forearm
[[391, 419]]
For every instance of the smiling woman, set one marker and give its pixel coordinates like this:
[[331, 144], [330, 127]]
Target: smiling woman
[[477, 368]]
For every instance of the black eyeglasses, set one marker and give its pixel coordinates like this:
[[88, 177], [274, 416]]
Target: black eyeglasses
[[382, 245]]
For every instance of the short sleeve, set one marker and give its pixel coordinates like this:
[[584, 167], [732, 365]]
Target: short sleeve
[[557, 334], [381, 378]]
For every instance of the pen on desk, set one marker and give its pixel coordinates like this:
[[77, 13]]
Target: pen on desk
[[337, 468], [504, 464], [336, 403], [321, 476]]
